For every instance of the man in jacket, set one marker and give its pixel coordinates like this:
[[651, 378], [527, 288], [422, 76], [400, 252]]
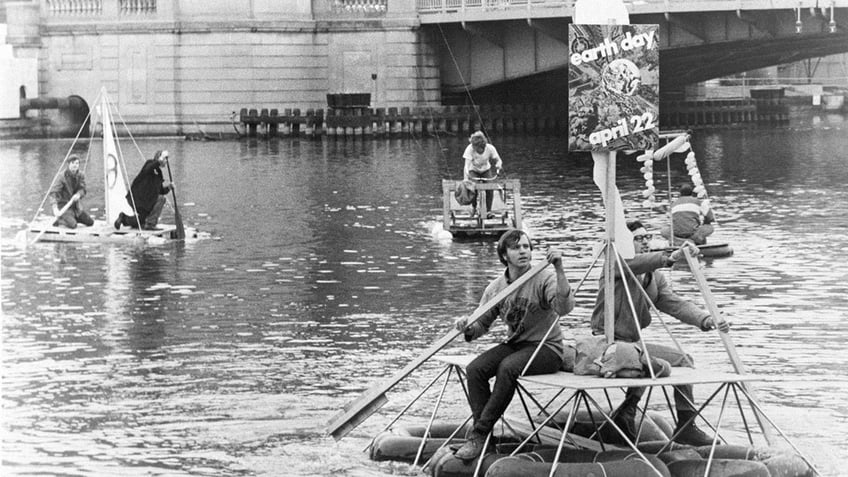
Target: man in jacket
[[691, 216], [70, 188], [645, 267], [147, 195]]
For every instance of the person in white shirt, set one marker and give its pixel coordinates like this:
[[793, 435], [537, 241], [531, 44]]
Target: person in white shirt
[[482, 162]]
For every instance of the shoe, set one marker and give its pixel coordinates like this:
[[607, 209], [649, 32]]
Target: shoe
[[691, 435], [472, 448], [490, 215], [119, 221], [625, 419], [474, 213]]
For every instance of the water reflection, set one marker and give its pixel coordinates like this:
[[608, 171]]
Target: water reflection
[[226, 357]]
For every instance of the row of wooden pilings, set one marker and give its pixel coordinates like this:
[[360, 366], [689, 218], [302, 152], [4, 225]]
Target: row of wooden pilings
[[364, 121], [724, 112], [502, 119]]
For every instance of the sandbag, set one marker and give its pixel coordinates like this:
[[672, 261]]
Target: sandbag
[[466, 193]]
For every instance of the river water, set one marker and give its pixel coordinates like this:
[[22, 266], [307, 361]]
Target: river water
[[228, 356]]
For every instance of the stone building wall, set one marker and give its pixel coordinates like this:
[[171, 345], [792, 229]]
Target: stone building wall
[[177, 67]]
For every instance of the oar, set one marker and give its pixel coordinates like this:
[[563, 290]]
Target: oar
[[694, 266], [177, 218], [370, 401], [61, 212]]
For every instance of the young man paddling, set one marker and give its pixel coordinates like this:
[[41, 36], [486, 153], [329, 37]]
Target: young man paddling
[[644, 267], [529, 313], [147, 194]]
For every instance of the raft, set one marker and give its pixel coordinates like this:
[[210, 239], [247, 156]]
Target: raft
[[505, 214], [536, 459]]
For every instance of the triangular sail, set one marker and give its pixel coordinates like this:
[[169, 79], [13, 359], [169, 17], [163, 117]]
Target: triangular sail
[[113, 168]]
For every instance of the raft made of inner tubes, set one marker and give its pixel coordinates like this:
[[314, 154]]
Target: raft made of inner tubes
[[676, 460]]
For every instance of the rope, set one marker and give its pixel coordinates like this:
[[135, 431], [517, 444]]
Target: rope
[[464, 83]]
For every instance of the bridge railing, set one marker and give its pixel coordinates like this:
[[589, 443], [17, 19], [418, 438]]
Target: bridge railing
[[349, 8], [457, 6], [99, 8], [633, 6]]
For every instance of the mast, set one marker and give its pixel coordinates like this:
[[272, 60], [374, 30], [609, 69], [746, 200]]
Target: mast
[[113, 169]]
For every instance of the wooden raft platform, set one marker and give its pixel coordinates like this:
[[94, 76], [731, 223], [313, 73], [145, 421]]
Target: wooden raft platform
[[566, 380], [505, 214]]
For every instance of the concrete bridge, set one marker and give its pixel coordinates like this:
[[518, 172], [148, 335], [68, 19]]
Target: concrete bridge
[[485, 42], [178, 65]]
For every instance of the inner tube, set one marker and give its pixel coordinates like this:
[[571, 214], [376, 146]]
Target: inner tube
[[517, 467], [719, 468]]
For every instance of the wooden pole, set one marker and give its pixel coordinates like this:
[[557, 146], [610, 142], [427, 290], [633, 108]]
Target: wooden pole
[[178, 220], [717, 317], [609, 261], [61, 212], [370, 401]]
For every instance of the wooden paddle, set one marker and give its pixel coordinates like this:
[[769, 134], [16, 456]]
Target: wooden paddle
[[61, 212], [177, 218], [371, 400], [695, 267]]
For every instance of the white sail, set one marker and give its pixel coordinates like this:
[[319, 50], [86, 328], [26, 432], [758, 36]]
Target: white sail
[[113, 168]]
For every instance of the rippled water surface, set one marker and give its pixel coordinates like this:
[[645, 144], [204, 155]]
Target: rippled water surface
[[228, 356]]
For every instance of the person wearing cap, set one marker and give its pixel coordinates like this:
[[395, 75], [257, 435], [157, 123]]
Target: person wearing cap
[[147, 194], [645, 265], [70, 188], [529, 313], [482, 162], [691, 216]]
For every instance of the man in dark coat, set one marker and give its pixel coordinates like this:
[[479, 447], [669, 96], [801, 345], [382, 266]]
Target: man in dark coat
[[147, 194], [70, 188]]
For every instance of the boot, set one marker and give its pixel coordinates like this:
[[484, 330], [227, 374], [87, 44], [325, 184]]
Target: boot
[[690, 434], [472, 448], [625, 419]]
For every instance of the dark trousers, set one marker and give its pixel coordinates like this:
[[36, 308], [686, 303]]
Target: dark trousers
[[490, 194], [504, 362], [146, 218], [71, 217], [676, 359]]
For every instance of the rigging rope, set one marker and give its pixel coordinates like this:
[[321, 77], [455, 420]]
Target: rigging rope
[[464, 83]]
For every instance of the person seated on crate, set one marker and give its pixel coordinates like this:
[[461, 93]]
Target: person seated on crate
[[691, 216], [482, 162]]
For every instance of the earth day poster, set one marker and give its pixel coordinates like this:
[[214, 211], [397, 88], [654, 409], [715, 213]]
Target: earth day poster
[[613, 87]]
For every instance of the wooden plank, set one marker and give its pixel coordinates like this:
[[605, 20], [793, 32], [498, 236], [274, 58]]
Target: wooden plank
[[695, 267], [447, 190], [371, 400]]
